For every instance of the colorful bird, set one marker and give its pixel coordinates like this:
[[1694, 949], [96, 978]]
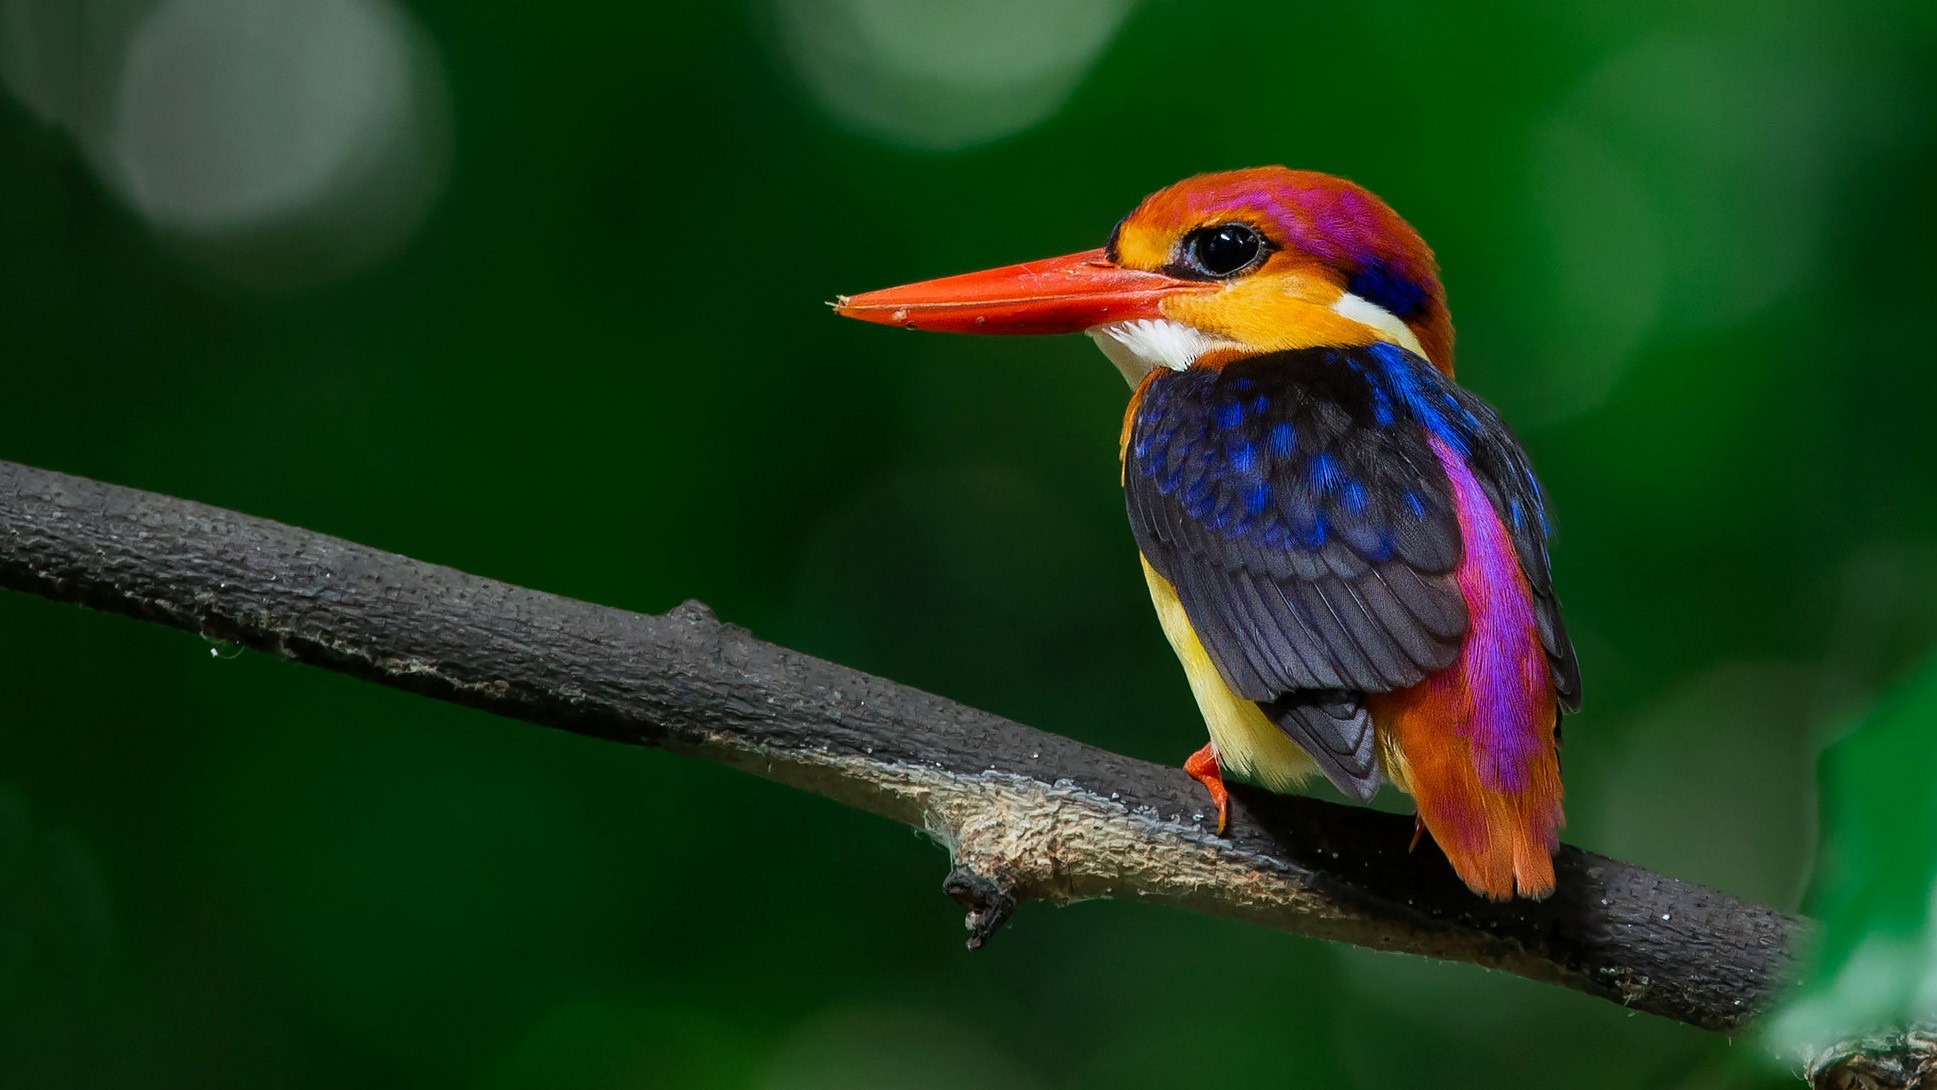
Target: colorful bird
[[1346, 550]]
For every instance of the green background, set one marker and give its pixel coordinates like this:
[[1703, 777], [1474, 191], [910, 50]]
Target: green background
[[568, 332]]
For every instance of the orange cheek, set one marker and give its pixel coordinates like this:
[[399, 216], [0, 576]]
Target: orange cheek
[[1272, 314]]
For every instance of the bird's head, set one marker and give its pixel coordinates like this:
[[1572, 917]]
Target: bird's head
[[1213, 268]]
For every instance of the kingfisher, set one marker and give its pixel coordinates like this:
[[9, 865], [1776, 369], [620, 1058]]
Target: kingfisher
[[1346, 550]]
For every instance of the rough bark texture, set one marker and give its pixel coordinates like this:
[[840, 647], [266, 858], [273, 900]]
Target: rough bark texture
[[1026, 815], [1890, 1061]]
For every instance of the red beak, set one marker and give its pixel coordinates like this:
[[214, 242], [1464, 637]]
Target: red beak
[[1056, 295]]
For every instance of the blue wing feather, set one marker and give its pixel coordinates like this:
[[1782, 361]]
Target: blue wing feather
[[1295, 502]]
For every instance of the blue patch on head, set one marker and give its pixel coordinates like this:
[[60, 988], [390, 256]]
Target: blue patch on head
[[1380, 284]]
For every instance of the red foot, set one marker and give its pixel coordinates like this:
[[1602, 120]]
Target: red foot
[[1418, 830], [1202, 767]]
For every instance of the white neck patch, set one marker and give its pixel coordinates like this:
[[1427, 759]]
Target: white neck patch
[[1368, 313], [1140, 346]]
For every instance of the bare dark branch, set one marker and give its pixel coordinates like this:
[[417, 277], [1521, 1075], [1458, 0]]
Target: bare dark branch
[[1027, 815]]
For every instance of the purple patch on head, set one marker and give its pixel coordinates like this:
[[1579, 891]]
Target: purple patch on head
[[1338, 224], [1505, 667]]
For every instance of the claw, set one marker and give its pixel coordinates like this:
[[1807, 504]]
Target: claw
[[1418, 830], [1202, 767]]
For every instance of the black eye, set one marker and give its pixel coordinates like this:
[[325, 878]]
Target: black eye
[[1222, 250]]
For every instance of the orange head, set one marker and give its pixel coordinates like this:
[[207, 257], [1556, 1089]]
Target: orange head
[[1212, 268]]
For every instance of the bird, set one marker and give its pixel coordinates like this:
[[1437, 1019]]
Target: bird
[[1346, 550]]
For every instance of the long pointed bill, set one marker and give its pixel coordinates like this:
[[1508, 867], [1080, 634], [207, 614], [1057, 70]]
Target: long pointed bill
[[1056, 295]]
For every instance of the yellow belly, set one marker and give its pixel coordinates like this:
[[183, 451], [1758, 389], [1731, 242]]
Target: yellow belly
[[1249, 746]]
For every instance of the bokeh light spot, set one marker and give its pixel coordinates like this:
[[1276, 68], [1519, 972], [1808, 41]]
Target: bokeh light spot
[[1680, 188], [945, 76], [304, 136]]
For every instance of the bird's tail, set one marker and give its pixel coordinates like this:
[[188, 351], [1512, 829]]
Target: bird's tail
[[1499, 825]]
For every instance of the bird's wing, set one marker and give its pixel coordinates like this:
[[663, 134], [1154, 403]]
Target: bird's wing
[[1311, 544], [1296, 503]]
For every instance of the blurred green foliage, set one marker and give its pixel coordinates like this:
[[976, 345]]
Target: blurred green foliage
[[1875, 885], [536, 292]]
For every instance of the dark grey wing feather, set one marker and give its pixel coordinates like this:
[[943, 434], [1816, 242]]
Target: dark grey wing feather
[[1296, 503], [1333, 727]]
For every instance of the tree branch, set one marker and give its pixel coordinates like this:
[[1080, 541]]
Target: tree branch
[[1900, 1059], [1027, 815]]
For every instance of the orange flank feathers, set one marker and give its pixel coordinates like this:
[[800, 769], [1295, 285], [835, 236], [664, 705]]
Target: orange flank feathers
[[1499, 842]]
